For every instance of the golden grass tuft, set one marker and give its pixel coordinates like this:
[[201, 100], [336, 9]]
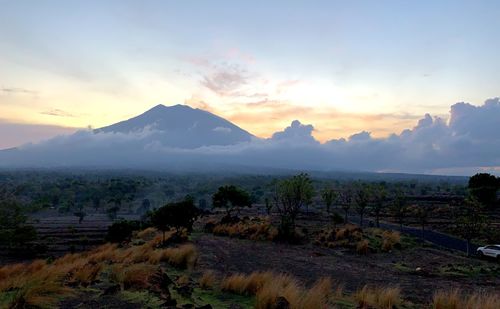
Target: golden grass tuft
[[317, 296], [183, 280], [207, 280], [254, 229], [268, 286], [455, 299], [147, 234], [235, 283], [390, 239], [134, 276], [378, 297], [362, 247], [184, 256]]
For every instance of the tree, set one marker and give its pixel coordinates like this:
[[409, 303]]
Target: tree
[[328, 195], [291, 195], [379, 196], [421, 213], [361, 199], [269, 206], [80, 214], [399, 208], [470, 222], [483, 187], [14, 231], [230, 198], [345, 201], [175, 215]]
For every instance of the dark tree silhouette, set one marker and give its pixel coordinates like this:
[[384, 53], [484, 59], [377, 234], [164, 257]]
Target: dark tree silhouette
[[470, 221], [230, 198], [483, 187], [175, 215], [361, 199], [328, 195], [291, 195]]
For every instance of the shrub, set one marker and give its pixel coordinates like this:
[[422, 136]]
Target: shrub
[[122, 231], [207, 280], [390, 239]]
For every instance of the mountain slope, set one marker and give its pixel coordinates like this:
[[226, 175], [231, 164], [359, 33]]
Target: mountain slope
[[181, 126]]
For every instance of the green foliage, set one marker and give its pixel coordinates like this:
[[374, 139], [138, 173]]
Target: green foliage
[[122, 230], [399, 208], [291, 195], [175, 215], [328, 195], [231, 197], [13, 229], [470, 222], [483, 187], [361, 200]]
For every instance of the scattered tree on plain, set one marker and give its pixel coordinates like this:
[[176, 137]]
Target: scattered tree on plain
[[292, 194], [328, 195], [176, 216], [231, 198]]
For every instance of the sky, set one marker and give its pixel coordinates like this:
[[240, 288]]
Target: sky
[[345, 67]]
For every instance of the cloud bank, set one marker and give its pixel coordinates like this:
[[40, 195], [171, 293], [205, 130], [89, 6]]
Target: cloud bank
[[467, 141]]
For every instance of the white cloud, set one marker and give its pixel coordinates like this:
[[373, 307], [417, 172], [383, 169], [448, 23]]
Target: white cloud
[[469, 141], [222, 130]]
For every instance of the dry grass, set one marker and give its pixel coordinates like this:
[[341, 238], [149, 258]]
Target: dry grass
[[183, 280], [134, 276], [390, 239], [362, 247], [86, 274], [235, 283], [39, 284], [268, 286], [455, 299], [148, 234], [184, 256], [207, 280], [256, 229], [378, 297], [318, 295]]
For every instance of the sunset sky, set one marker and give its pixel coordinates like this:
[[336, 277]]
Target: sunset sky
[[343, 66]]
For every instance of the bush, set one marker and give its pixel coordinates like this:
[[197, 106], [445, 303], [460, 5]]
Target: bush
[[122, 231]]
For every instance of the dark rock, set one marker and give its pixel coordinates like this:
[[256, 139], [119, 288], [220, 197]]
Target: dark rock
[[229, 220], [188, 306], [185, 290], [209, 227], [170, 303], [281, 303], [112, 290]]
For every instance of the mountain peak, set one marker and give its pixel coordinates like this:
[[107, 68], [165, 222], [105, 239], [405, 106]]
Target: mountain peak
[[172, 107], [182, 126]]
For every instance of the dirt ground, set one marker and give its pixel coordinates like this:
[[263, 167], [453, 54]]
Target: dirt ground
[[419, 270]]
